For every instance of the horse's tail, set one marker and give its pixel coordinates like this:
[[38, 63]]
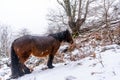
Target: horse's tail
[[14, 63]]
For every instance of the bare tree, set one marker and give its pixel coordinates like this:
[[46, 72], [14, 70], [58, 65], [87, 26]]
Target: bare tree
[[23, 32], [76, 11], [106, 6], [5, 40], [56, 21], [72, 14]]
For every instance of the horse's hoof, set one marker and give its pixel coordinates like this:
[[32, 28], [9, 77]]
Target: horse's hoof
[[28, 72], [14, 77], [50, 67]]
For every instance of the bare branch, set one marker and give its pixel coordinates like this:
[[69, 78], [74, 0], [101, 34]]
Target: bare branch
[[86, 9], [79, 10], [68, 9], [61, 4], [74, 10]]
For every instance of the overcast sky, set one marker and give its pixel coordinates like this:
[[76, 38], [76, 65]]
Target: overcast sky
[[30, 14]]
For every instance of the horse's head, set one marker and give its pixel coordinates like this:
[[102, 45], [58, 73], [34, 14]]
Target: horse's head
[[63, 36], [68, 37]]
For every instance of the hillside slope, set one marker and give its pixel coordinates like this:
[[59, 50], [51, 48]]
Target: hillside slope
[[106, 66]]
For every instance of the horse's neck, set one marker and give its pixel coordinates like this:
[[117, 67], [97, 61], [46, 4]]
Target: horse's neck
[[58, 36], [61, 37]]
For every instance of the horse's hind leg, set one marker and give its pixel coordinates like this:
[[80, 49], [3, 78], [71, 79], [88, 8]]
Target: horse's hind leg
[[15, 65], [18, 70], [50, 60]]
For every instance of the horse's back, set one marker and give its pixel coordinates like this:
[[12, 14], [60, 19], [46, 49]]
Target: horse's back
[[29, 41], [22, 40], [43, 40]]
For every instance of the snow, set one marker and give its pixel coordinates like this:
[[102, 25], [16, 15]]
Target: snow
[[75, 52], [106, 66]]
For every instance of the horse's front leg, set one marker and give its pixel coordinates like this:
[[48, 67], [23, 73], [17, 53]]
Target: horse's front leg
[[50, 60], [26, 69]]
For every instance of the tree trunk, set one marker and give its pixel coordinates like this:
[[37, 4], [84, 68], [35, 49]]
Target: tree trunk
[[75, 26], [73, 22]]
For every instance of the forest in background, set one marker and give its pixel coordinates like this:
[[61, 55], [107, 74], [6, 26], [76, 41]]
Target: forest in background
[[99, 19]]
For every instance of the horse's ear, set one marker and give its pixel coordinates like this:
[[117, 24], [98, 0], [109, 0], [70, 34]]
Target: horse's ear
[[68, 31]]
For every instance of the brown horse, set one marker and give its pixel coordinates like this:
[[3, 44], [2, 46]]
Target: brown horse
[[38, 46]]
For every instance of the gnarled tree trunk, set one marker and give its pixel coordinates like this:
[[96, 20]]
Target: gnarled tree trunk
[[71, 10]]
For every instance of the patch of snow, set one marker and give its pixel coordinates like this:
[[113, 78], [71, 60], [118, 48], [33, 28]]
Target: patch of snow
[[62, 48], [85, 69], [75, 52]]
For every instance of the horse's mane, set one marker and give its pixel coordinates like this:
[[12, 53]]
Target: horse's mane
[[58, 36]]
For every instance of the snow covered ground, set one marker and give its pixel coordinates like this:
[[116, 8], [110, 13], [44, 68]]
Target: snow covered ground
[[106, 66]]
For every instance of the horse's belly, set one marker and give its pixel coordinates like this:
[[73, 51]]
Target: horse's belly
[[41, 53]]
